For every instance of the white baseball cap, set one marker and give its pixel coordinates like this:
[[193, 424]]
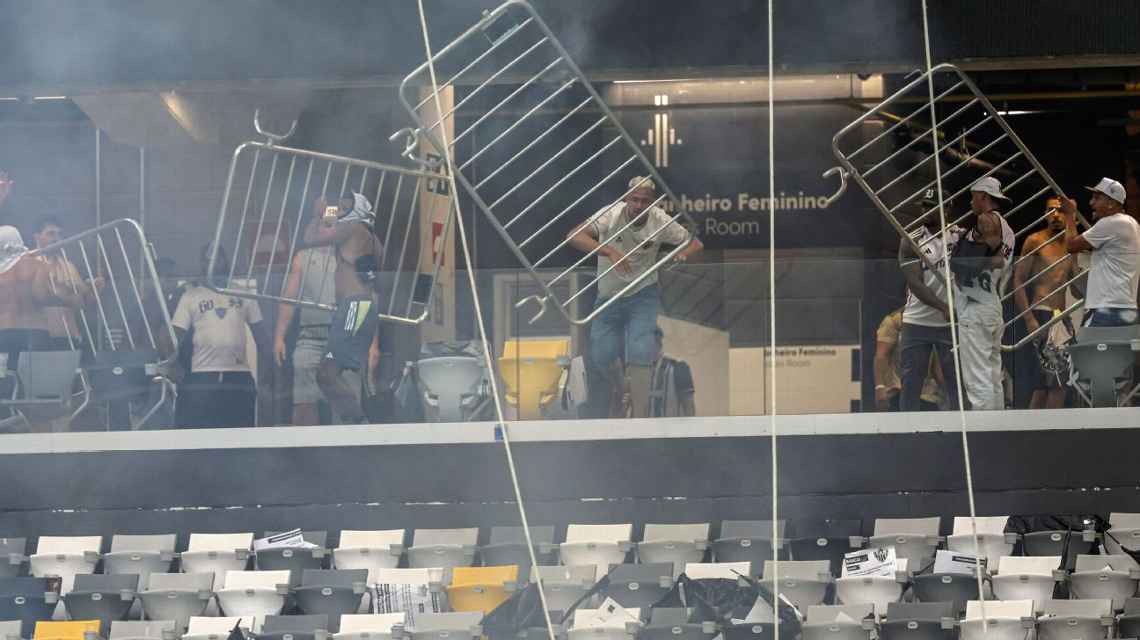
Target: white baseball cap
[[990, 186], [1110, 188], [643, 182]]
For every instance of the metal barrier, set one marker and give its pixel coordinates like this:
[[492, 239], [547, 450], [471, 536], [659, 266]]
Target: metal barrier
[[269, 196], [975, 142], [541, 132]]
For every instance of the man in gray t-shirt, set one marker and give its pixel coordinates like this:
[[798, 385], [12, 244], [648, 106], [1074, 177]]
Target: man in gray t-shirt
[[1114, 240], [627, 237]]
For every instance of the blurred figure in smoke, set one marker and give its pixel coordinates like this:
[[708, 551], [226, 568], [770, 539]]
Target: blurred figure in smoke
[[64, 326]]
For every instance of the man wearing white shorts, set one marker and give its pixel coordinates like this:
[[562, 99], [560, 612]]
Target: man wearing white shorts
[[980, 276]]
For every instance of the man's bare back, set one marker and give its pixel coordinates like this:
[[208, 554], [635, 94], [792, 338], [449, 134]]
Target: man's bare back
[[24, 288]]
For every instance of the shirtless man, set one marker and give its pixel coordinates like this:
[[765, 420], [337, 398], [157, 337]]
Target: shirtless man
[[1047, 247], [25, 288], [354, 333]]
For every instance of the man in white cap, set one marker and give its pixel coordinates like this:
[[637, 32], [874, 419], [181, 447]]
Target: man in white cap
[[627, 237], [1114, 240], [981, 264]]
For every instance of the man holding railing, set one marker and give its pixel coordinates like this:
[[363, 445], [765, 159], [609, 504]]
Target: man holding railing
[[1114, 240], [627, 237]]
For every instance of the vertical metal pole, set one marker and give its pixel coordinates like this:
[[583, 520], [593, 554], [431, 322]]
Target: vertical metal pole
[[142, 203], [98, 177]]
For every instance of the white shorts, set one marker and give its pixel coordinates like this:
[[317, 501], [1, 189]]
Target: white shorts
[[979, 339]]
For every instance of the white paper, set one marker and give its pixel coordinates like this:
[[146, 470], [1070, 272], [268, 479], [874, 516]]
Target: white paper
[[291, 539], [956, 562], [610, 610], [876, 561]]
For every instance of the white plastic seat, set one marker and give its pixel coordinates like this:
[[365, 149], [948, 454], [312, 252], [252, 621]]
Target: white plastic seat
[[1005, 620], [915, 539], [597, 624], [748, 540], [368, 626], [65, 556], [371, 550], [992, 538], [140, 555], [444, 626], [143, 630], [443, 547], [1074, 619], [596, 544], [726, 570], [218, 628], [565, 585], [1026, 578], [1123, 530], [879, 591], [217, 553], [11, 630], [802, 582], [676, 543], [177, 596], [253, 593], [1112, 577], [452, 388], [838, 622]]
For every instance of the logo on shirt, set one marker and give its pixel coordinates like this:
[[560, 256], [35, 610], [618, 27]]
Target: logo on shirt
[[661, 137], [220, 312]]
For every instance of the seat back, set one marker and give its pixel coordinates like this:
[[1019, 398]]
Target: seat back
[[728, 570], [669, 616], [47, 545], [371, 622], [603, 533], [531, 369], [480, 576], [207, 625], [255, 579], [47, 375], [603, 619], [799, 569], [824, 613], [651, 572], [105, 583], [1000, 609], [908, 526], [432, 537], [510, 535], [13, 545], [11, 629], [1132, 606], [986, 524], [333, 577], [220, 541], [455, 621], [71, 630], [921, 611], [136, 630], [1124, 520], [295, 624], [1028, 565], [357, 539], [1085, 608], [409, 576], [562, 574], [180, 582], [754, 529], [26, 586], [676, 532], [1119, 562], [450, 380], [158, 543]]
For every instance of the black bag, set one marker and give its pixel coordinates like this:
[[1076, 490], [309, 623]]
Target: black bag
[[969, 259], [720, 600], [523, 610]]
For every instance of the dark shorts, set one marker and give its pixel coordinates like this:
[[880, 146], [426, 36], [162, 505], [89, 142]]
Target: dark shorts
[[216, 399], [350, 334], [13, 341]]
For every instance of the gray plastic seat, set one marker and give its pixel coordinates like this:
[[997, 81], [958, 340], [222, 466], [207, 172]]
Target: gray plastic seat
[[452, 386], [824, 539], [101, 597], [956, 588], [11, 630], [445, 626], [1128, 624], [28, 599], [750, 631], [1067, 544], [839, 622], [802, 582], [1104, 576], [678, 544], [915, 539], [331, 592], [667, 623], [1075, 620], [306, 627], [1103, 356], [143, 630], [639, 586], [920, 621], [13, 556], [177, 596], [140, 555], [294, 559], [746, 541], [445, 548], [565, 585], [508, 546]]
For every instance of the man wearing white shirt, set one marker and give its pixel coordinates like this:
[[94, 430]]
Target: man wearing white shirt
[[627, 237], [1114, 240]]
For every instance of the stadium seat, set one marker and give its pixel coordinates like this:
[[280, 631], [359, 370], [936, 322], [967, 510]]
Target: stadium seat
[[306, 627], [1128, 624], [12, 556], [1027, 578], [253, 593], [1109, 577], [444, 626], [331, 592], [747, 541], [443, 548], [531, 369], [877, 590], [675, 543], [507, 546], [1075, 620], [803, 582], [371, 550], [1005, 620], [915, 539], [453, 381], [597, 544], [638, 586], [600, 624], [211, 628], [725, 570], [177, 596], [481, 588], [217, 553], [668, 623], [919, 621], [71, 630], [956, 588], [12, 630], [143, 630], [1123, 531], [758, 624], [843, 622], [101, 597], [369, 626], [1103, 357], [64, 557], [411, 590], [565, 585], [28, 599], [140, 555], [824, 540], [45, 379], [293, 559], [992, 538]]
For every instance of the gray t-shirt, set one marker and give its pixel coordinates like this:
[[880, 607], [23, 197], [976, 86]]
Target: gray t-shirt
[[318, 267], [1115, 265], [608, 223], [218, 321]]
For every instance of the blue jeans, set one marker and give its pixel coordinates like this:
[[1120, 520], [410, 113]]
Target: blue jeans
[[622, 331], [1110, 317]]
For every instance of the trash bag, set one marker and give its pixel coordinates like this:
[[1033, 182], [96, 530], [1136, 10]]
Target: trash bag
[[721, 600], [523, 610]]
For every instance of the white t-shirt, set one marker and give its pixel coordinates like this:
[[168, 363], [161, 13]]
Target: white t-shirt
[[218, 322], [608, 222], [986, 287], [1115, 263], [916, 311]]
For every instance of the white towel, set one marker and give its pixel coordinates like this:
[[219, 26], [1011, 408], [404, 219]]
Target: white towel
[[11, 248]]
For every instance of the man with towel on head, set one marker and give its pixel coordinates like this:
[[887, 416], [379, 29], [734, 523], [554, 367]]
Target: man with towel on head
[[347, 227]]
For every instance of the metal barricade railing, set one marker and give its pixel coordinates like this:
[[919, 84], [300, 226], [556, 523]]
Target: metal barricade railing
[[895, 167], [110, 271], [542, 148], [268, 201]]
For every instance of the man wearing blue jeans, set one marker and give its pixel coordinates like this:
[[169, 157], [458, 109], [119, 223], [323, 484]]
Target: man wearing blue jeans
[[1114, 240], [627, 237]]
